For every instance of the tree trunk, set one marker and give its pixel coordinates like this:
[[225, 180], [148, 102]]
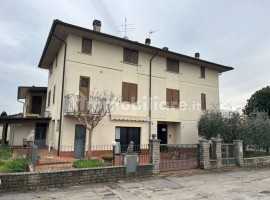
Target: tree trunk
[[89, 153]]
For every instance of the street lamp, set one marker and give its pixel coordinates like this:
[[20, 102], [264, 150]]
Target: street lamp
[[113, 145]]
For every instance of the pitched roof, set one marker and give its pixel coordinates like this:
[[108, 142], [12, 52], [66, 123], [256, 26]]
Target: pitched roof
[[62, 30]]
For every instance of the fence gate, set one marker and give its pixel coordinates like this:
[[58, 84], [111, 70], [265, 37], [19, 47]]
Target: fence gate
[[33, 155], [178, 156], [227, 152]]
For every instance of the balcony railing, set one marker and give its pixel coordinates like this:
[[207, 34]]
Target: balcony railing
[[35, 110], [79, 103]]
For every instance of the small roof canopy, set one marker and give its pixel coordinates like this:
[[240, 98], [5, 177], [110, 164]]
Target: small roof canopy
[[24, 90]]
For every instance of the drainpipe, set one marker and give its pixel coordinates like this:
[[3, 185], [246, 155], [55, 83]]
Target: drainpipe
[[150, 94], [62, 94]]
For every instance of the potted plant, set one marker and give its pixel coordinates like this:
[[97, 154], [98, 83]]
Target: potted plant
[[107, 157]]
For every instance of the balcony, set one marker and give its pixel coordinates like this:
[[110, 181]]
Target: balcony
[[35, 111], [75, 104]]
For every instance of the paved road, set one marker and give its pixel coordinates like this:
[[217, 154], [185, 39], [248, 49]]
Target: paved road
[[237, 184]]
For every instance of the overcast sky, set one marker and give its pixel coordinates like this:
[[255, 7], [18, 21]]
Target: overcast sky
[[228, 32]]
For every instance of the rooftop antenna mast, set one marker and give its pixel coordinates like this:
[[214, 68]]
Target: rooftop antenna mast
[[151, 33], [127, 28]]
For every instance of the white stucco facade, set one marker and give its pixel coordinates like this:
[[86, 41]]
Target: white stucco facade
[[106, 70]]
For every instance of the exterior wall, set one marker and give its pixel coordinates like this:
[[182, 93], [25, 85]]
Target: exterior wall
[[103, 134], [57, 179], [107, 71], [21, 131], [257, 162]]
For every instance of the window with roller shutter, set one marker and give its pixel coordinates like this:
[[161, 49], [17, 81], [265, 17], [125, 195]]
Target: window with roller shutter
[[172, 65], [172, 97], [130, 56], [86, 46], [129, 92]]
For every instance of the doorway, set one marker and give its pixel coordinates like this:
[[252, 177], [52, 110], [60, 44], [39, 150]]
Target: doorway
[[36, 104], [40, 135], [79, 142]]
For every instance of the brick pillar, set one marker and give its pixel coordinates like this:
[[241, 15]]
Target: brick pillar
[[155, 154], [217, 151], [204, 161], [238, 152]]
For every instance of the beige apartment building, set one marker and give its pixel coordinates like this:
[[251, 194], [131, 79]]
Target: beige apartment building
[[80, 60]]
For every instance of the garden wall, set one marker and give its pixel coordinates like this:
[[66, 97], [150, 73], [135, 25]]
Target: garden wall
[[256, 161], [42, 180]]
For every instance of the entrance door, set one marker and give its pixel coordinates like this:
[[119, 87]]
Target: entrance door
[[162, 135], [40, 135], [79, 143], [36, 104]]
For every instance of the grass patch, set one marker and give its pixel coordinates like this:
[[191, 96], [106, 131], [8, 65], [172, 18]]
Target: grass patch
[[14, 165], [90, 163], [255, 154], [107, 156]]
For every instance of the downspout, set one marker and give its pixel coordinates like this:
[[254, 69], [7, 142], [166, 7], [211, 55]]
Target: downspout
[[150, 94], [62, 94], [23, 106]]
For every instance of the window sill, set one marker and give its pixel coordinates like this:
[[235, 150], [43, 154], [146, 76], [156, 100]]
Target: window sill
[[131, 63], [89, 54], [176, 107], [129, 102], [172, 72]]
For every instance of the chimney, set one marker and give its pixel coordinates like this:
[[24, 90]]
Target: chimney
[[147, 41], [166, 48], [197, 55], [96, 25]]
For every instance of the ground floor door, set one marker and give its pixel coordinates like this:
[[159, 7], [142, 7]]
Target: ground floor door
[[40, 135], [79, 142], [162, 135], [127, 134]]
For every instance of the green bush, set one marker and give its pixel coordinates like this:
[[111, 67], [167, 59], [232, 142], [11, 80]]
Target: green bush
[[88, 163], [14, 165], [107, 156], [255, 154], [4, 153]]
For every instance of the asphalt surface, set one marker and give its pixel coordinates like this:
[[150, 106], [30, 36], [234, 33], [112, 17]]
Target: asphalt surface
[[236, 184]]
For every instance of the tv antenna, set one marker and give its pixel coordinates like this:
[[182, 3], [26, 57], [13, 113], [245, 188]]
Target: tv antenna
[[151, 33], [127, 28]]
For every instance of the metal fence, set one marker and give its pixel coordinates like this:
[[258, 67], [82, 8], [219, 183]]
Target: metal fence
[[227, 152], [49, 158], [178, 156], [33, 155]]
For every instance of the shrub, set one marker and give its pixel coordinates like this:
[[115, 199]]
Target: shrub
[[88, 163], [107, 156], [14, 165], [4, 153]]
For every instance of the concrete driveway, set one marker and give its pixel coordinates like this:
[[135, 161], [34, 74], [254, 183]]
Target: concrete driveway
[[236, 184]]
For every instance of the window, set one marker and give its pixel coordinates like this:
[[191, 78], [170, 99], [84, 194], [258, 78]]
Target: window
[[172, 65], [129, 92], [172, 97], [202, 72], [49, 98], [54, 93], [86, 45], [203, 101], [130, 56]]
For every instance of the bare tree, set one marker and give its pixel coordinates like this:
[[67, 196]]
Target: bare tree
[[91, 110]]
